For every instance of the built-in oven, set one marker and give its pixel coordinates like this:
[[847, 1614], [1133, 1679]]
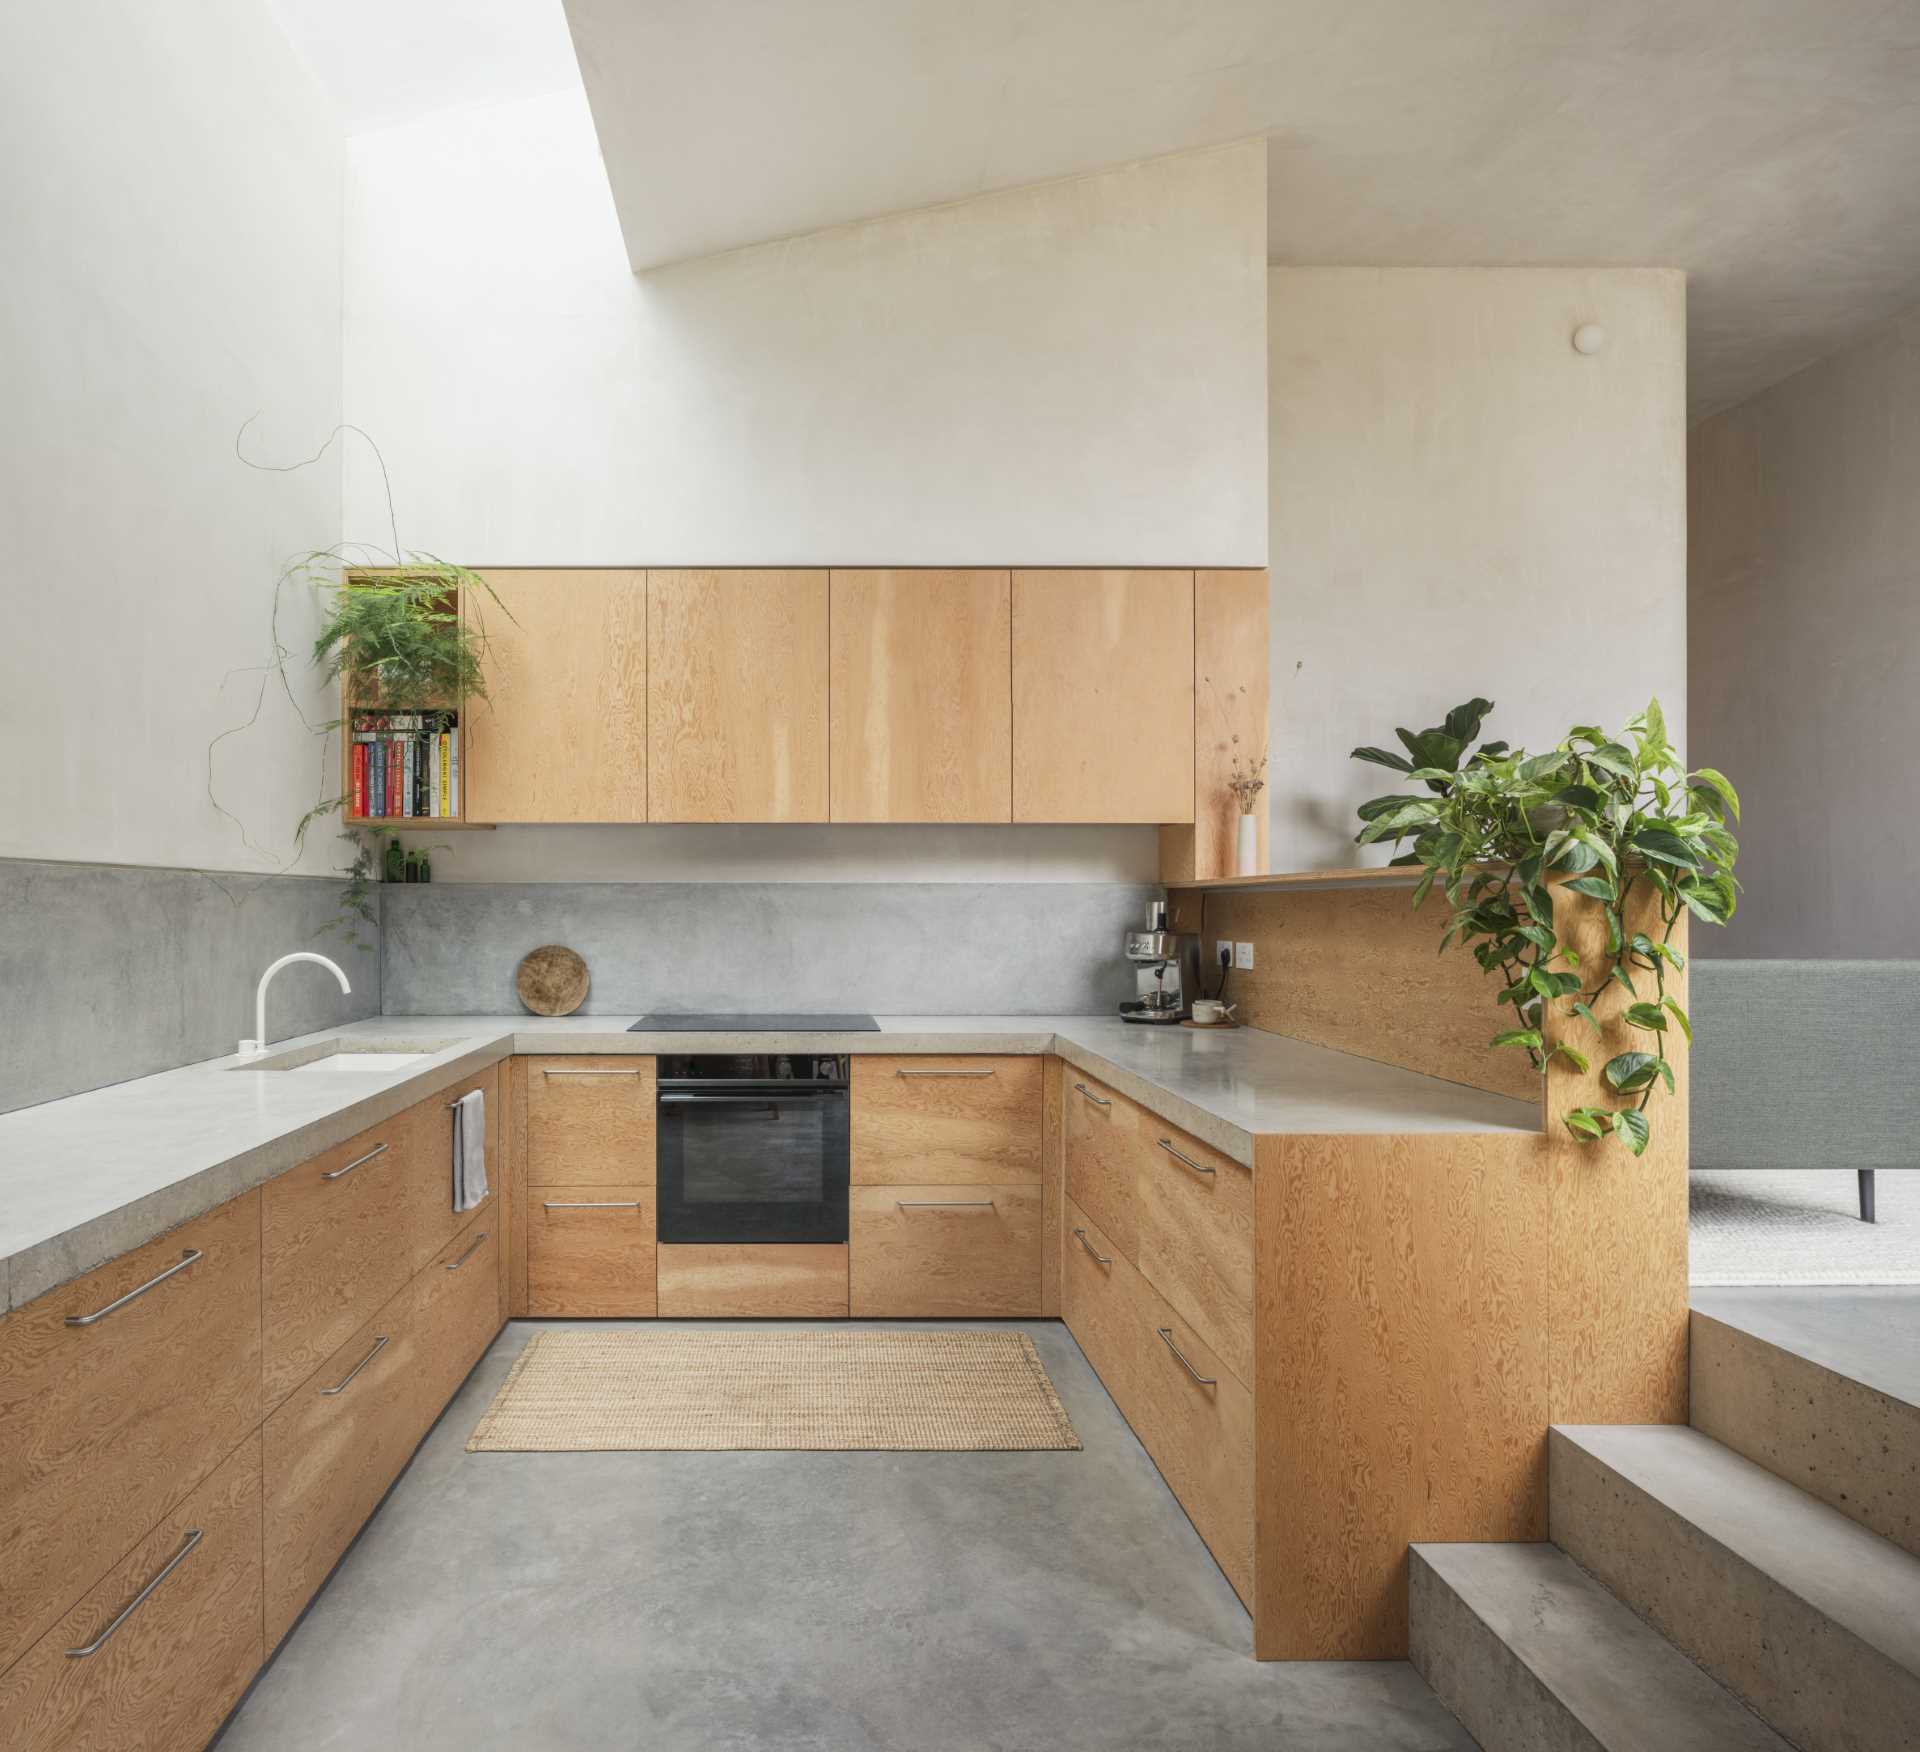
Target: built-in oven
[[752, 1147]]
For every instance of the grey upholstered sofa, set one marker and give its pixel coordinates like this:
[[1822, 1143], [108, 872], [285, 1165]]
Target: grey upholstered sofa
[[1806, 1064]]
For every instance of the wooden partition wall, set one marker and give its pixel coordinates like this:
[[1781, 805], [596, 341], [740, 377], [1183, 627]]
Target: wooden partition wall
[[1428, 1304]]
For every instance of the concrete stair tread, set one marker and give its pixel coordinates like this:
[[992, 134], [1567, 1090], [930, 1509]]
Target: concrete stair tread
[[1863, 1583], [1870, 1334], [1624, 1683]]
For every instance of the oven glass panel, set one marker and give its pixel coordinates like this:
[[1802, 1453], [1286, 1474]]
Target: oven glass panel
[[753, 1165]]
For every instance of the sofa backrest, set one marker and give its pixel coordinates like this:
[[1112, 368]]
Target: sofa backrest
[[1804, 1064]]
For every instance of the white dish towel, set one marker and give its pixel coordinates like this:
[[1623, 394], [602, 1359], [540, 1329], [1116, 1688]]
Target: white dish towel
[[469, 1150]]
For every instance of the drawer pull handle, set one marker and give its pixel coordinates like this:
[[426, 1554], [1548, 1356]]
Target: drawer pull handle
[[379, 1344], [455, 1265], [152, 1283], [357, 1162], [1166, 1338], [590, 1204], [988, 1073], [1099, 1258], [545, 1072], [1186, 1160], [943, 1204], [140, 1599], [1095, 1099]]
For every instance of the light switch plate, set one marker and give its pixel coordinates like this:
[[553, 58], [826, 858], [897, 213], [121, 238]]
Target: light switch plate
[[1243, 955]]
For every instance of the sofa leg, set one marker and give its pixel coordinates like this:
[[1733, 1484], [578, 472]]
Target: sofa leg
[[1866, 1194]]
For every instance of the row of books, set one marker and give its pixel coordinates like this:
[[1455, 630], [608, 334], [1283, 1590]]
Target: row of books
[[405, 764]]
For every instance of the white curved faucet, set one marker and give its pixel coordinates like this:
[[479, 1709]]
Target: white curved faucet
[[258, 1044]]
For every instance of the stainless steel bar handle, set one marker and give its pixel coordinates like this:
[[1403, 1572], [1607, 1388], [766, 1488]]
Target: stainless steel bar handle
[[357, 1162], [548, 1071], [943, 1204], [1080, 1235], [140, 1599], [1166, 1338], [152, 1283], [987, 1073], [1179, 1156], [590, 1204], [379, 1344], [470, 1252], [1095, 1099]]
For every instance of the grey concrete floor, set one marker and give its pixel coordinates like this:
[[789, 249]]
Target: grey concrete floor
[[1869, 1335], [839, 1602]]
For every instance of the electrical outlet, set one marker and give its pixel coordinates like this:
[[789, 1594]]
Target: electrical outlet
[[1243, 955], [1223, 952]]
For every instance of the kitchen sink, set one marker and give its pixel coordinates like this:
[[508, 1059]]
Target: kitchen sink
[[357, 1057]]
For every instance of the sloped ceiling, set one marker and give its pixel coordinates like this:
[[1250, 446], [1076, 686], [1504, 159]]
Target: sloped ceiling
[[1769, 147]]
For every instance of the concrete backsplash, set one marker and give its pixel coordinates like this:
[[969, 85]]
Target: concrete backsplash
[[894, 949], [110, 971]]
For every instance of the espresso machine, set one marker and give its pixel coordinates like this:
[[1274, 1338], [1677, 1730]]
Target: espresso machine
[[1166, 970]]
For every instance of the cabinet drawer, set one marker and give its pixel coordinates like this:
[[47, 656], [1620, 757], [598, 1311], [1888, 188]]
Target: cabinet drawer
[[1199, 1432], [106, 1425], [925, 1121], [590, 1250], [590, 1121], [807, 1281], [343, 1436], [1194, 1209], [174, 1629], [1103, 1157], [945, 1251], [343, 1232]]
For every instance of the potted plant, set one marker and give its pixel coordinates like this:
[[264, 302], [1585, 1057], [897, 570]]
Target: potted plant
[[399, 635], [1511, 839]]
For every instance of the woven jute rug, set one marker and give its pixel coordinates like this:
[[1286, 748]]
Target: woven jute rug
[[635, 1388]]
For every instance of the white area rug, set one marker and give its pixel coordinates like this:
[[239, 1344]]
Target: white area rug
[[1790, 1226]]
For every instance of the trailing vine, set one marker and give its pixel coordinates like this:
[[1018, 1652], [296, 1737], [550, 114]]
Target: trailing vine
[[1597, 817]]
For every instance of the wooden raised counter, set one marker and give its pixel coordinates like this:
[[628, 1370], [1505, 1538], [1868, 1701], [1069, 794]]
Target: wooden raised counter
[[1427, 1304]]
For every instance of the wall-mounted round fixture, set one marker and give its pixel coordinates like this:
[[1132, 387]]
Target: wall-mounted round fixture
[[1589, 337]]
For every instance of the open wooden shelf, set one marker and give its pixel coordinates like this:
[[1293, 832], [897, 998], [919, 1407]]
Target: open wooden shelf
[[1402, 876], [418, 823]]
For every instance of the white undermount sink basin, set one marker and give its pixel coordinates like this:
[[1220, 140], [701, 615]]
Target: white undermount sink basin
[[360, 1061], [354, 1057]]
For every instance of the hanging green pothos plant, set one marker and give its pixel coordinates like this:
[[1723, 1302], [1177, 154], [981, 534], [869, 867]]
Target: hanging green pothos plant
[[1599, 815]]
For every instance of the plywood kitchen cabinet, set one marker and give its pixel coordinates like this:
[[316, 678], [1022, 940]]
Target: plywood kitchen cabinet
[[737, 695], [963, 1252], [562, 734], [1103, 696], [922, 696], [590, 1251]]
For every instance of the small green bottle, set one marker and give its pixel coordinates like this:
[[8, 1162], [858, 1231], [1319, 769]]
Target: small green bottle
[[426, 865], [394, 868], [413, 867]]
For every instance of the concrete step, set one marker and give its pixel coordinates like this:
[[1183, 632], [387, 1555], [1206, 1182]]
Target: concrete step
[[1820, 1388], [1809, 1617], [1533, 1655]]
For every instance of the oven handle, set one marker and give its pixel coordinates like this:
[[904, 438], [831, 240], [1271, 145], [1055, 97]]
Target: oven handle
[[765, 1099]]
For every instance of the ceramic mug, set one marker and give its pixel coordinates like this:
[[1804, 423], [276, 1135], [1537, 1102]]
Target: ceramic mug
[[1210, 1012]]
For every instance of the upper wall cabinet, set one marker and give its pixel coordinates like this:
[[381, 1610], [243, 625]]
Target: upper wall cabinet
[[737, 696], [562, 735], [1103, 696], [922, 696]]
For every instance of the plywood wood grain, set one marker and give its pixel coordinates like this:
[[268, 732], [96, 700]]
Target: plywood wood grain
[[1402, 1372], [1053, 1170], [1359, 970], [1103, 1157], [1103, 696], [1196, 1239], [169, 1675], [922, 696], [104, 1427], [956, 1252], [1230, 634], [590, 1251], [801, 1282], [945, 1118], [589, 1120], [737, 695], [562, 735]]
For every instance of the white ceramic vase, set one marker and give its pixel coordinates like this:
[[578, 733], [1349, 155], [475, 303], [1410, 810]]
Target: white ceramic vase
[[1246, 860]]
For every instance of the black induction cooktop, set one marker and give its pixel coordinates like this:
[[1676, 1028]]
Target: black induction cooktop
[[728, 1023]]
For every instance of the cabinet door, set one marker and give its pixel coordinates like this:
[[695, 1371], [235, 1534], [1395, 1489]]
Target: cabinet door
[[922, 696], [1103, 696], [562, 735], [737, 696]]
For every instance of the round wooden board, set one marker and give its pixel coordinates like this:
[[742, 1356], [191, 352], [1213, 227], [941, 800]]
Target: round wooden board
[[552, 981]]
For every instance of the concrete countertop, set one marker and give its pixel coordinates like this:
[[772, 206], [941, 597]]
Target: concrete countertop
[[92, 1176]]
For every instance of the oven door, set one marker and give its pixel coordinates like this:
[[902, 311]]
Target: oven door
[[752, 1164]]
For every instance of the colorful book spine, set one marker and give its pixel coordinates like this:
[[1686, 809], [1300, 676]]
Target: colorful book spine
[[453, 767], [443, 744], [360, 779], [377, 775]]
